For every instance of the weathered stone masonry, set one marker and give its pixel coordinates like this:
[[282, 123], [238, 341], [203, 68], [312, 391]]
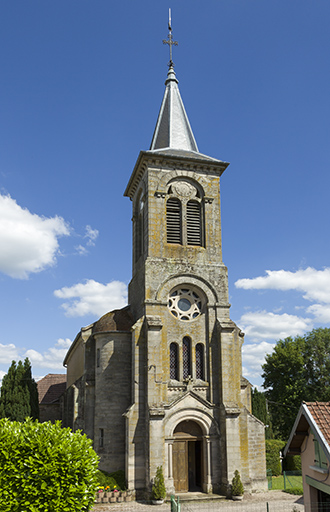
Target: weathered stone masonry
[[160, 381]]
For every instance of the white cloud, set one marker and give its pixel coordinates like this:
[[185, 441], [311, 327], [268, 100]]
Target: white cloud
[[253, 356], [321, 313], [92, 297], [314, 284], [52, 358], [8, 353], [29, 243], [81, 250], [266, 325], [91, 234]]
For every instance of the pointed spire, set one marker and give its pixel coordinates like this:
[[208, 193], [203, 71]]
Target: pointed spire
[[173, 129]]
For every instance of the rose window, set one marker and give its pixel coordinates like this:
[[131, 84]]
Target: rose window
[[185, 304]]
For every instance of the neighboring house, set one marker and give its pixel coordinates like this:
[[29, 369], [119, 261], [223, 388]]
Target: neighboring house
[[50, 390], [310, 438]]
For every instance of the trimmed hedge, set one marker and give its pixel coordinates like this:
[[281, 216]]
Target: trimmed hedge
[[292, 463], [45, 467], [273, 461]]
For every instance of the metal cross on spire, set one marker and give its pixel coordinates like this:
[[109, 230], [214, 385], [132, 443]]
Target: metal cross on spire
[[170, 41]]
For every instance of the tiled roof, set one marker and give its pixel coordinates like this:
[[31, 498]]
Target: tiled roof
[[320, 412], [51, 387]]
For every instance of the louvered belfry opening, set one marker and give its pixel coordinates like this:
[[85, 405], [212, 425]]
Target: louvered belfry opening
[[174, 361], [186, 357], [200, 361], [173, 221], [194, 223]]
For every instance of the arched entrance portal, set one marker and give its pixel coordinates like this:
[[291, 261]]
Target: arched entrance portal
[[187, 457]]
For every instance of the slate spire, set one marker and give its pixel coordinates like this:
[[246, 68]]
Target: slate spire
[[173, 129]]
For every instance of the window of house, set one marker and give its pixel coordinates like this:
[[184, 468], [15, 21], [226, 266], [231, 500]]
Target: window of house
[[320, 460], [174, 361], [200, 361]]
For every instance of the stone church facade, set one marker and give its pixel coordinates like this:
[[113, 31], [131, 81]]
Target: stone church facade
[[160, 382]]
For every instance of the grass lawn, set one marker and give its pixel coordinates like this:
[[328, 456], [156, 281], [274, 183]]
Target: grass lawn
[[291, 481]]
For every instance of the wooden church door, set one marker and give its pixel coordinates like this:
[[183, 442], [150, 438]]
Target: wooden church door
[[180, 466], [187, 457]]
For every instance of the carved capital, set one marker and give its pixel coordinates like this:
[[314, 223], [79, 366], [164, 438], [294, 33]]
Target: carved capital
[[154, 323]]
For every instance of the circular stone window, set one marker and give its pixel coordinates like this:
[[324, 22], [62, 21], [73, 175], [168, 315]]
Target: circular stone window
[[185, 304]]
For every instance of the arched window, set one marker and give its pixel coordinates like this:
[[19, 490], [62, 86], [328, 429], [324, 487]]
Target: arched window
[[173, 221], [200, 361], [139, 233], [186, 357], [174, 361], [194, 223]]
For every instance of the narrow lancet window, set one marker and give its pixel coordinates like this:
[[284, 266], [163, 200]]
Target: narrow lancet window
[[174, 361], [186, 357], [200, 361]]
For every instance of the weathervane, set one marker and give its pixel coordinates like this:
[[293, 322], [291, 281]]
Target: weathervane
[[170, 41]]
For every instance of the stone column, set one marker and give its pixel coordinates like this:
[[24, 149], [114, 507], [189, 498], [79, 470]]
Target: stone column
[[207, 483], [169, 481]]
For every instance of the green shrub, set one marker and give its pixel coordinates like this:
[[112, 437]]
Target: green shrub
[[119, 477], [273, 461], [158, 489], [292, 463], [298, 491], [237, 488], [45, 467], [113, 480]]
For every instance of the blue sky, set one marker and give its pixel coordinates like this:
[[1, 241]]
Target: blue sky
[[81, 86]]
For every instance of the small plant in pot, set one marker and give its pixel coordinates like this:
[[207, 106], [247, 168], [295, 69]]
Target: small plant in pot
[[237, 489], [158, 492]]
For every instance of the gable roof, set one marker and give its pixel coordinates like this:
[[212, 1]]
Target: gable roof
[[51, 387], [314, 416]]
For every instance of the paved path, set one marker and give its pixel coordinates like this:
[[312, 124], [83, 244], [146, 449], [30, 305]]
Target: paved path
[[278, 501]]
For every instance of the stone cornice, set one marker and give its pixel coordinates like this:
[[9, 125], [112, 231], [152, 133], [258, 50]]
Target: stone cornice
[[199, 164]]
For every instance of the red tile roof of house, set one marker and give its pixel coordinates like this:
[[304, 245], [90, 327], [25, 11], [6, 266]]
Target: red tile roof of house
[[320, 412], [51, 387]]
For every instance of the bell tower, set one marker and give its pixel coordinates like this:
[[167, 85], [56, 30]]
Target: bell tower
[[190, 404]]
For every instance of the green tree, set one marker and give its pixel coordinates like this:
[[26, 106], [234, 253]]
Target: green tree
[[260, 411], [19, 393], [297, 370]]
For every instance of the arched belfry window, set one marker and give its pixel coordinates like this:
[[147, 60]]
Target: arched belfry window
[[173, 221], [174, 361], [200, 361], [186, 357], [139, 231], [194, 223], [184, 214]]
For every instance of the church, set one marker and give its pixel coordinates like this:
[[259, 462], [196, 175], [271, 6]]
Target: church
[[159, 382]]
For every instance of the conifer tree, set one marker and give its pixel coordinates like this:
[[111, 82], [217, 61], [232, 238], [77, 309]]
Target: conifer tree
[[19, 393], [260, 411]]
